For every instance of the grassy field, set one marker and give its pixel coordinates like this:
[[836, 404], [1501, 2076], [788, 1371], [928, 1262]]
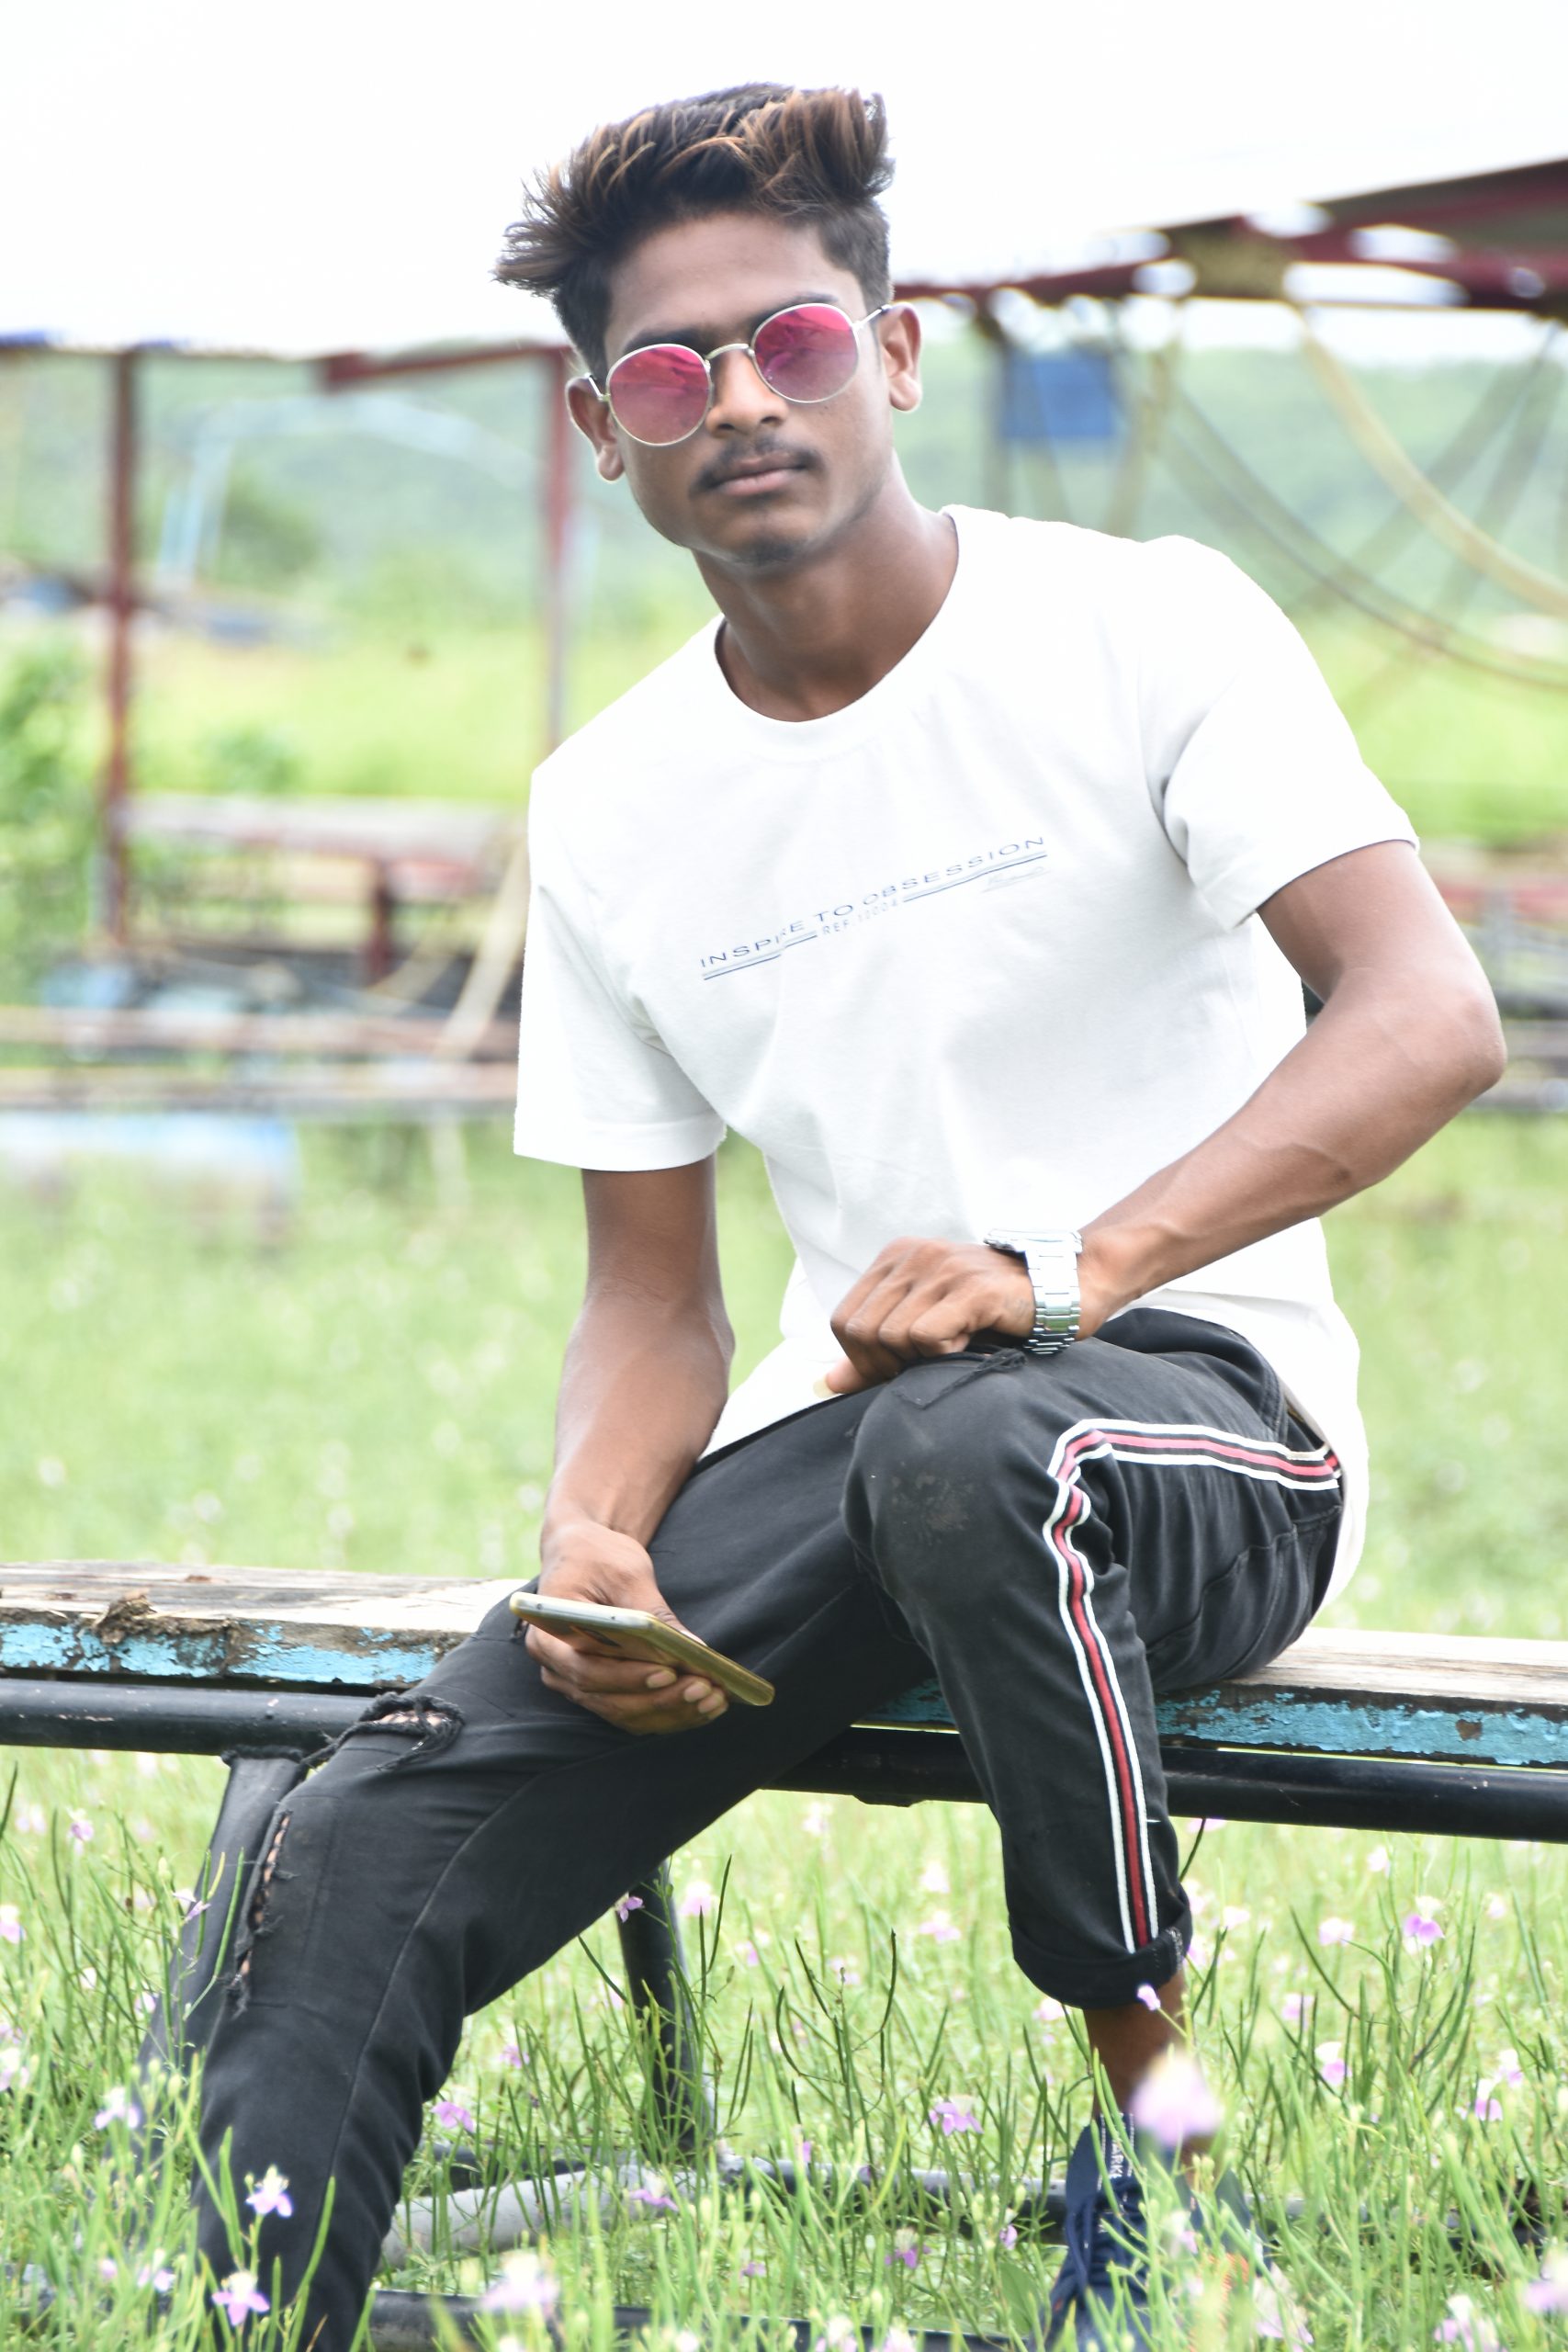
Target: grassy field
[[374, 1393], [458, 714]]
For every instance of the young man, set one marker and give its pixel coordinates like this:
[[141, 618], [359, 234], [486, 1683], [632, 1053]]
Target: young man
[[970, 868]]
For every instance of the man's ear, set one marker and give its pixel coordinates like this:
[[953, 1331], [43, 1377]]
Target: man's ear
[[900, 341], [590, 414]]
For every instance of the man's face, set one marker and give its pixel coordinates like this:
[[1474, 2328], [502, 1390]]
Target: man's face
[[714, 281]]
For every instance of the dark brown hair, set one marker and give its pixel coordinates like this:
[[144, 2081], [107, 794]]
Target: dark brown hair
[[809, 156]]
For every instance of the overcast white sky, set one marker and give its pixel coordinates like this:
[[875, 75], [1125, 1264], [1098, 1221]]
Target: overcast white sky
[[316, 173]]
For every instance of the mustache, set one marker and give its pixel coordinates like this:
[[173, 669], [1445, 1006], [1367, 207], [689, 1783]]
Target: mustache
[[778, 453]]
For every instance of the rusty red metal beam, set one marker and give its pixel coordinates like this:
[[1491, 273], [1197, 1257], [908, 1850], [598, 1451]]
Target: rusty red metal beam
[[336, 369]]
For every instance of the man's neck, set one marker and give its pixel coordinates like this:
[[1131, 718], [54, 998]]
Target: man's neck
[[808, 640]]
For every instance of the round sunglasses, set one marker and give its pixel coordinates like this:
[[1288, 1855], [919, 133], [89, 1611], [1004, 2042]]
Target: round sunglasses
[[659, 394]]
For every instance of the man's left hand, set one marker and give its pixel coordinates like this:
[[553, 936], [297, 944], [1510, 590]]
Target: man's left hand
[[921, 1298]]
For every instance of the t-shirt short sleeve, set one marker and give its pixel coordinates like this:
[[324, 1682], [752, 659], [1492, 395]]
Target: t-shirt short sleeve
[[596, 1086], [1251, 765]]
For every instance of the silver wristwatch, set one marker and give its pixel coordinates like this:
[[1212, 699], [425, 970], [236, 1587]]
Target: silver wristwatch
[[1051, 1259]]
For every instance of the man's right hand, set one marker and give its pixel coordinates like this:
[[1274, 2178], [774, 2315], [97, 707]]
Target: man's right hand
[[586, 1562]]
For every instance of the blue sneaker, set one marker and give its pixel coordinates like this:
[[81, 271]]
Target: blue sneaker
[[1099, 2301]]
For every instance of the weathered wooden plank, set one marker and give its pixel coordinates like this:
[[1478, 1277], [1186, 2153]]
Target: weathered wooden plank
[[136, 1028], [1472, 1699], [299, 1089], [275, 1625]]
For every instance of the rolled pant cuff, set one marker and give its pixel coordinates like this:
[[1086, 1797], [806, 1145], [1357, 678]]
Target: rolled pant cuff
[[1106, 1984]]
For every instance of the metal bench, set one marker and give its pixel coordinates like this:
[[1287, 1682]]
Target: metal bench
[[1459, 1736]]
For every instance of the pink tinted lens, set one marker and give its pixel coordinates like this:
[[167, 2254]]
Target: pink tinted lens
[[659, 394], [807, 353]]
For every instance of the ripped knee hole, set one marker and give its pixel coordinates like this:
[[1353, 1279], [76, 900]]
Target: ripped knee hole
[[257, 1915]]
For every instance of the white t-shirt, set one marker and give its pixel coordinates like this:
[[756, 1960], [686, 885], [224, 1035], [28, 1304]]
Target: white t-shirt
[[979, 949]]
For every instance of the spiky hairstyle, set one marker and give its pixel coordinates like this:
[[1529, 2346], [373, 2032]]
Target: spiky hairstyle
[[809, 156]]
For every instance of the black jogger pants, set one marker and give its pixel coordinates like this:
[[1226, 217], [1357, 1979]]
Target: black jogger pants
[[1056, 1538]]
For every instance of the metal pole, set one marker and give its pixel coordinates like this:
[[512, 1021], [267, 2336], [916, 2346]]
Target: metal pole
[[114, 910], [680, 2101], [559, 436]]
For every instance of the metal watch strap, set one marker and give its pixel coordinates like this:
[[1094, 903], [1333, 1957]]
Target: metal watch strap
[[1050, 1261]]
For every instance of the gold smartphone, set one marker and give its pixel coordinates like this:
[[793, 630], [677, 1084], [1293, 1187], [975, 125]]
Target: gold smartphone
[[635, 1632]]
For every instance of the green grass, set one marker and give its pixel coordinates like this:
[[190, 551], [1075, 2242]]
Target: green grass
[[459, 715], [375, 1392], [427, 713]]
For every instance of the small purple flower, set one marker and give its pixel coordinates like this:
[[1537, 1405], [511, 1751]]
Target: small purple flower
[[1549, 2291], [526, 2284], [270, 2194], [1467, 2326], [906, 2249], [1175, 2103], [11, 1928], [452, 2115], [1330, 2056], [939, 1928], [238, 2295], [118, 2107], [1488, 2110], [953, 2118], [1213, 1821], [803, 2152], [1419, 1932], [753, 2270], [1007, 2238], [748, 1954], [155, 2274], [653, 2193], [81, 1829], [1148, 1996], [1292, 2007], [698, 1900], [513, 2054], [626, 1906], [840, 2334]]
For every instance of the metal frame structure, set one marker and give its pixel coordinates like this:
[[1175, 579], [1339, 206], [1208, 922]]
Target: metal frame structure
[[1495, 241]]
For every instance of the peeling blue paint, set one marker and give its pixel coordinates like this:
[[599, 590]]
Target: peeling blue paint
[[370, 1658], [1366, 1728], [272, 1654], [1324, 1726]]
